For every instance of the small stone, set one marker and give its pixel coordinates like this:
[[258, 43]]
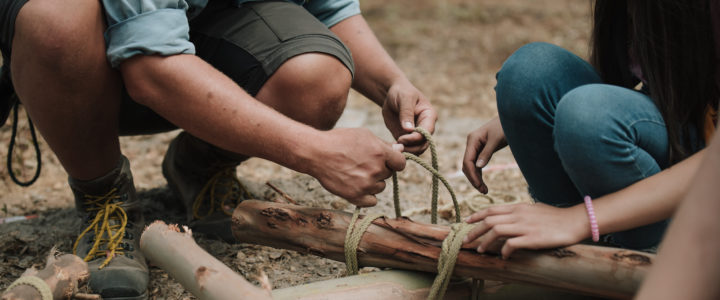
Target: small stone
[[275, 254], [241, 256]]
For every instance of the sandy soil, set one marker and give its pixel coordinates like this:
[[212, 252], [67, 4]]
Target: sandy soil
[[450, 49]]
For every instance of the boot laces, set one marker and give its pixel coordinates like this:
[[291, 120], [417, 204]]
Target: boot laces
[[223, 186], [108, 226]]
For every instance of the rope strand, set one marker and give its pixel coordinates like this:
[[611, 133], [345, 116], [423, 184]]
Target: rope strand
[[353, 237], [450, 246]]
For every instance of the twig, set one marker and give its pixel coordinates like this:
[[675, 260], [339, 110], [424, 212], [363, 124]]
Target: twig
[[84, 296], [283, 194]]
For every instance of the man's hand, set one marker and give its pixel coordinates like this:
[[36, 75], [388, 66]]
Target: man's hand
[[353, 164], [404, 108], [481, 144], [528, 226]]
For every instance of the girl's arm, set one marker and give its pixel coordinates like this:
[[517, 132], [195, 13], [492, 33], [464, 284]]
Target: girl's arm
[[539, 226], [686, 267]]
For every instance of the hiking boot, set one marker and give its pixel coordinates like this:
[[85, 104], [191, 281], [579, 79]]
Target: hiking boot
[[205, 184], [110, 242]]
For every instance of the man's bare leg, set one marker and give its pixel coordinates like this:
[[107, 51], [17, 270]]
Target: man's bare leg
[[62, 77], [311, 88]]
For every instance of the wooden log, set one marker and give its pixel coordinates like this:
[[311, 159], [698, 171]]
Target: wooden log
[[63, 274], [413, 285], [381, 285], [404, 244], [204, 276]]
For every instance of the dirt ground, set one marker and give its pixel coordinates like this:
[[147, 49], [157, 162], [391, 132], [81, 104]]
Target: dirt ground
[[450, 49]]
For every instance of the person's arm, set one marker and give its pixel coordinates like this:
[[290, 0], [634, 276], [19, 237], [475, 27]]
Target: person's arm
[[351, 163], [381, 80], [539, 226], [148, 42], [687, 264]]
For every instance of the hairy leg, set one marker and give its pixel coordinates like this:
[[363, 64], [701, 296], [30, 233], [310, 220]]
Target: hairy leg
[[62, 77]]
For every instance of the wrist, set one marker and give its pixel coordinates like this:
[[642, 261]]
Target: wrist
[[581, 231], [384, 86], [310, 147]]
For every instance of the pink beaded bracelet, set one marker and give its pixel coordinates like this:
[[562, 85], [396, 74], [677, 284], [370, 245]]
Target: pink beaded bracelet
[[593, 221]]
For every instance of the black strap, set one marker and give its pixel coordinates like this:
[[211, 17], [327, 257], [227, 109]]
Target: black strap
[[12, 146]]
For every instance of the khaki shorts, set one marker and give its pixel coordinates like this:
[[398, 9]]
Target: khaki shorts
[[247, 43]]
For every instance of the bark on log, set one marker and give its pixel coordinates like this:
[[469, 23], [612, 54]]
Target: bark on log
[[404, 244], [197, 271], [62, 273]]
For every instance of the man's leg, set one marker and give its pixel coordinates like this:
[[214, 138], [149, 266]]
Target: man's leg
[[301, 71], [61, 75]]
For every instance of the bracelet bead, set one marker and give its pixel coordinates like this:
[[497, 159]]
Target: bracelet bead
[[594, 230]]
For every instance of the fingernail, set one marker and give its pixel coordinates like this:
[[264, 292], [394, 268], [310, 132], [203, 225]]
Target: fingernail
[[398, 147], [465, 240], [408, 125], [479, 163], [480, 249]]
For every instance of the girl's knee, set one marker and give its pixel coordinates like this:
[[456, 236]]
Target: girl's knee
[[528, 74]]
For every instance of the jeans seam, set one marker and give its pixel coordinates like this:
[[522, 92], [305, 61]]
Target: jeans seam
[[644, 173]]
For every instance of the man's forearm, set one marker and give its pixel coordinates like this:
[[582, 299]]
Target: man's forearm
[[375, 70], [196, 97]]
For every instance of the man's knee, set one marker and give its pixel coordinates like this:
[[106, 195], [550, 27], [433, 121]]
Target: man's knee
[[59, 34], [313, 88]]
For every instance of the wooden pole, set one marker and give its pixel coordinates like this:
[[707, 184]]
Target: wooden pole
[[204, 276], [404, 244], [63, 274], [381, 285]]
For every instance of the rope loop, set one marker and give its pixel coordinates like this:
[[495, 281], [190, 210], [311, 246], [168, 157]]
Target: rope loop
[[434, 170], [450, 246], [447, 258], [11, 147]]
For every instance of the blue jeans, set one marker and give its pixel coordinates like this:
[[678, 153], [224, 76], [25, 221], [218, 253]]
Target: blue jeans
[[572, 135]]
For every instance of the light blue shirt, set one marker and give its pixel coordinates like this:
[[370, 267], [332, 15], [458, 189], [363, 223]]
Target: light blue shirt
[[160, 27]]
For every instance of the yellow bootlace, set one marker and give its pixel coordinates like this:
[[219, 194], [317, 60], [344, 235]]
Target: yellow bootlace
[[225, 180], [106, 211]]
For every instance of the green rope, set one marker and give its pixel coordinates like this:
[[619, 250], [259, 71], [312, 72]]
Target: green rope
[[451, 244], [447, 258], [353, 237], [396, 195], [436, 177]]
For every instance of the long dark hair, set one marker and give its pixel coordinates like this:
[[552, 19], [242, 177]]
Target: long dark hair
[[673, 42]]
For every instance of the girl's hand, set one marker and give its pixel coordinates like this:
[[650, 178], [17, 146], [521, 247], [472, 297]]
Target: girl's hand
[[528, 226], [481, 144]]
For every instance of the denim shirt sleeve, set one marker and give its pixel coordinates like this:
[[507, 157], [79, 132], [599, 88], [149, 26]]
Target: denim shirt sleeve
[[146, 27], [331, 12]]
